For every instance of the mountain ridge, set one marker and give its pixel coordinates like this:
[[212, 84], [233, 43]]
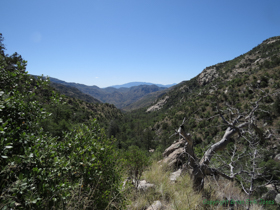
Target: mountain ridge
[[262, 56], [131, 84], [120, 97]]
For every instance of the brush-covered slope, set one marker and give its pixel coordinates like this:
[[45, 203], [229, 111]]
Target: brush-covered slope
[[147, 100], [247, 84], [73, 92], [236, 83], [255, 64], [72, 109]]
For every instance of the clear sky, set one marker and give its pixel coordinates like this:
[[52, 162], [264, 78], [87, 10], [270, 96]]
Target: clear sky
[[112, 42]]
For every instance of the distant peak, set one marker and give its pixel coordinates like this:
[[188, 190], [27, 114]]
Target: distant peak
[[131, 84]]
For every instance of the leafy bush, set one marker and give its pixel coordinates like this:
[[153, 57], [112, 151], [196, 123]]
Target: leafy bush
[[136, 161], [38, 171], [90, 160]]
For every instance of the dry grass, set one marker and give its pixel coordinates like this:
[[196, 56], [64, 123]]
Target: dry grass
[[222, 190], [180, 196], [172, 196]]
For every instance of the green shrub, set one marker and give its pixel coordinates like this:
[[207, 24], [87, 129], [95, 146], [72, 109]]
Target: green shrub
[[136, 161], [38, 171]]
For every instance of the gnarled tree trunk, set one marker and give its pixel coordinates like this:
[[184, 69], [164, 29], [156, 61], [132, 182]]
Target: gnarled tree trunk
[[200, 168]]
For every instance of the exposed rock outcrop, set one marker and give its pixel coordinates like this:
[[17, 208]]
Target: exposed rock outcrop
[[173, 147], [174, 176], [172, 155], [207, 75], [158, 105]]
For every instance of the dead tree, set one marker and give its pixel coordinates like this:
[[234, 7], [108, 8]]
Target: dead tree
[[253, 172], [237, 125]]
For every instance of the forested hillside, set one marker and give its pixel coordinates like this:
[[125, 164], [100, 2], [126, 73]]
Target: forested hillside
[[73, 93], [236, 83], [53, 152], [122, 97]]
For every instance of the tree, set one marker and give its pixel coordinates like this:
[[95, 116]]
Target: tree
[[249, 165], [2, 47], [148, 139], [113, 129], [239, 124], [136, 161]]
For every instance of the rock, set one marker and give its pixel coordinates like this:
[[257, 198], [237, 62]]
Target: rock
[[158, 105], [155, 206], [207, 75], [277, 157], [173, 147], [277, 198], [226, 91], [174, 176], [270, 195], [144, 185], [270, 42], [269, 187], [172, 158], [172, 155]]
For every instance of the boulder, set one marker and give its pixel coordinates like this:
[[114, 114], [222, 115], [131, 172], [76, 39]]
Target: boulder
[[155, 206], [277, 157], [151, 150], [269, 187], [174, 176], [144, 185], [207, 75], [173, 147], [277, 198], [173, 154], [172, 159]]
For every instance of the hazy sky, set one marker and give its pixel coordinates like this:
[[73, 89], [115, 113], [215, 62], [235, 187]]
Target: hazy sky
[[111, 42]]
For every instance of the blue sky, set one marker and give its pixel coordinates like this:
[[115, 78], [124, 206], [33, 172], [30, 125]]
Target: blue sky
[[111, 42]]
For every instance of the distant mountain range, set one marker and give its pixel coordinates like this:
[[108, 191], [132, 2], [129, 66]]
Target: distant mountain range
[[122, 96], [131, 84]]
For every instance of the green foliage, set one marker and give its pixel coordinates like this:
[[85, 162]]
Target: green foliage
[[40, 171], [92, 160], [113, 129], [136, 161], [272, 169], [1, 44], [276, 105]]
